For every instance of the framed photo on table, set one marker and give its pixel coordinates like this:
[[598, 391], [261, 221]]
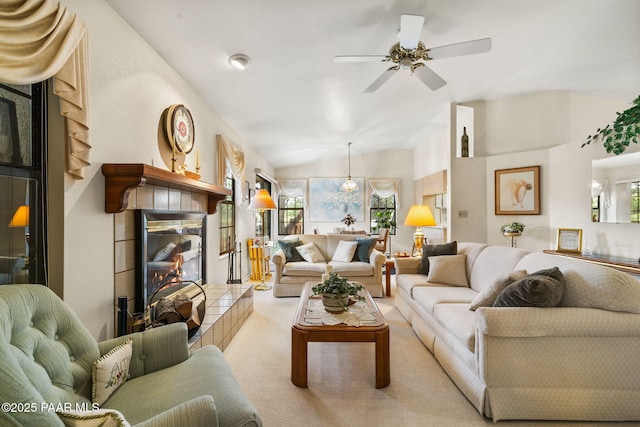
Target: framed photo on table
[[569, 240], [517, 191]]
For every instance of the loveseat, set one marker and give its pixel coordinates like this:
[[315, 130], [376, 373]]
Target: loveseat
[[47, 358], [291, 273], [578, 360]]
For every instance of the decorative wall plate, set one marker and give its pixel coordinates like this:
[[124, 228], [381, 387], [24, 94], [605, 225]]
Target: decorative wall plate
[[178, 128]]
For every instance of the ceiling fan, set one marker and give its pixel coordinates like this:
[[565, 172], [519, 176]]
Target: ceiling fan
[[410, 52]]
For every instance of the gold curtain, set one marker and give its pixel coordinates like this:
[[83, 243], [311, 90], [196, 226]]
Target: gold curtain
[[40, 39], [232, 155]]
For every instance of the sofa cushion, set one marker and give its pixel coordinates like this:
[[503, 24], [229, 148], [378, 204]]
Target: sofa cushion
[[345, 251], [407, 282], [310, 252], [289, 249], [428, 297], [352, 269], [110, 372], [543, 288], [590, 285], [448, 270], [487, 296], [364, 249], [459, 322], [450, 248], [304, 268]]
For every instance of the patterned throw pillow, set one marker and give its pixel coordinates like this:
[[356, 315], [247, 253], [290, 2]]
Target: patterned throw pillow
[[436, 250], [97, 418], [111, 371], [543, 288], [289, 249], [364, 249]]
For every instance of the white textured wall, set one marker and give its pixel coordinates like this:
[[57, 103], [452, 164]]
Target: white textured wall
[[130, 86]]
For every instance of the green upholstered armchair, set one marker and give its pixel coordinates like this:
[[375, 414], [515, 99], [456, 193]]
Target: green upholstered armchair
[[46, 359]]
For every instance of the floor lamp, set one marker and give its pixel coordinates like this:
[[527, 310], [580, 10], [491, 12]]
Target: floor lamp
[[419, 216], [262, 202]]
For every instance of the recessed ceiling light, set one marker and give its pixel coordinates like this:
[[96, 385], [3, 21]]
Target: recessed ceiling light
[[239, 61]]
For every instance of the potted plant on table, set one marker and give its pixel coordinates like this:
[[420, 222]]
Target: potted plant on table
[[348, 220], [512, 229], [335, 292]]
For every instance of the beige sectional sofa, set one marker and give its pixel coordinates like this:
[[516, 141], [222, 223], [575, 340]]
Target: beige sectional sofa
[[289, 277], [577, 361]]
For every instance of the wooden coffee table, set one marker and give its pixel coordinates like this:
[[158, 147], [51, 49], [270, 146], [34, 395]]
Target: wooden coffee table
[[303, 331]]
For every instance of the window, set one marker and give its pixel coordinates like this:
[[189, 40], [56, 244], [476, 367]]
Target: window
[[22, 183], [382, 208], [635, 201], [226, 209], [290, 215]]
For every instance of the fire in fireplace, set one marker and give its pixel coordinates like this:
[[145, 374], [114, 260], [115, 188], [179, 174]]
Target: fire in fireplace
[[170, 247]]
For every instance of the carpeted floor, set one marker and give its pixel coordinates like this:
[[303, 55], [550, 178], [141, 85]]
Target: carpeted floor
[[341, 377]]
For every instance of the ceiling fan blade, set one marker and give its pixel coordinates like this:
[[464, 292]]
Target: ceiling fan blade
[[459, 49], [360, 58], [381, 80], [410, 30], [429, 77]]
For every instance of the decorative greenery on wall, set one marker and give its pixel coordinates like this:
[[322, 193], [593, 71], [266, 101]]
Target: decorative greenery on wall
[[617, 136]]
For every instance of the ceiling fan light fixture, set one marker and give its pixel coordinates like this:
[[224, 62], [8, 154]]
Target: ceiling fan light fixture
[[239, 61]]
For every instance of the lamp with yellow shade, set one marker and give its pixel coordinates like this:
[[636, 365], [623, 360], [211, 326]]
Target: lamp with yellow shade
[[262, 202], [419, 216], [21, 219]]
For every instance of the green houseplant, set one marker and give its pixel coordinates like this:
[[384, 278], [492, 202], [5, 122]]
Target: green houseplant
[[335, 292], [513, 227], [617, 136], [384, 219]]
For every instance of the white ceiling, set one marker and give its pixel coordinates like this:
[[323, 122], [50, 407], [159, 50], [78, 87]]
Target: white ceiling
[[294, 104]]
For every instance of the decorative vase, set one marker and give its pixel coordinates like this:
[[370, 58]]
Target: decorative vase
[[511, 237], [335, 305], [464, 143]]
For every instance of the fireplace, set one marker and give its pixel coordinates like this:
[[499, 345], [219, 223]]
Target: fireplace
[[170, 247]]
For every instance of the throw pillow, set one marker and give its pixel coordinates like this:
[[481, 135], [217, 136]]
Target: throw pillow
[[448, 270], [488, 295], [289, 249], [344, 252], [364, 249], [310, 252], [111, 371], [97, 418], [543, 288], [450, 248], [164, 253]]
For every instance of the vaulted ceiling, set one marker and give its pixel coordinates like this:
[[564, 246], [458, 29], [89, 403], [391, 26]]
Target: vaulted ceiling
[[293, 103]]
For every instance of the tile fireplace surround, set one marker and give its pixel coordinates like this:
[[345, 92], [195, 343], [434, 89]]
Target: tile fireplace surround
[[230, 305]]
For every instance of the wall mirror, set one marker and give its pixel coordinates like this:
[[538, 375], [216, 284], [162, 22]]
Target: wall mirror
[[615, 189]]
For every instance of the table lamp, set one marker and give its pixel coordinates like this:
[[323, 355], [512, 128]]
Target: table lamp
[[262, 202], [419, 216]]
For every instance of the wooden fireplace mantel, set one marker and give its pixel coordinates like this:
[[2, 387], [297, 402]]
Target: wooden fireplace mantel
[[121, 178]]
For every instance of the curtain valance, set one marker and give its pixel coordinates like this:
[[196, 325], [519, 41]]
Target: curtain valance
[[232, 155], [40, 39], [293, 188], [384, 187]]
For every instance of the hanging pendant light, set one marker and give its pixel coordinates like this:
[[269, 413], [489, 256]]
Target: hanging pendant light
[[349, 185]]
